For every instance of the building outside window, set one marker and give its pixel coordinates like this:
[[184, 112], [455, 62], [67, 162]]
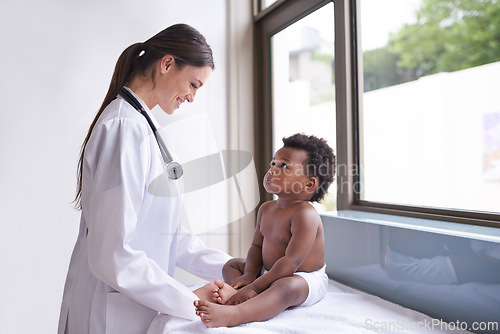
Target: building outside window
[[430, 113]]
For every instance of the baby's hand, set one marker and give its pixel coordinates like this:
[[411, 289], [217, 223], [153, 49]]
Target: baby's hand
[[242, 281], [242, 295]]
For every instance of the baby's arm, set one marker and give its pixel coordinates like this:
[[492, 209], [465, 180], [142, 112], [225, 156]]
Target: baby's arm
[[253, 262], [304, 228]]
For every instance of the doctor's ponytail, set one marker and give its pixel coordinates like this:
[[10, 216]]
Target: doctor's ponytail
[[183, 42]]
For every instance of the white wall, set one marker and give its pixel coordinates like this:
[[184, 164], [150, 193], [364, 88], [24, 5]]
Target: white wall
[[57, 59], [241, 108]]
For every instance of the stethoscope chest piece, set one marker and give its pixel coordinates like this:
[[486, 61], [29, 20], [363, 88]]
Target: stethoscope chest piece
[[174, 170]]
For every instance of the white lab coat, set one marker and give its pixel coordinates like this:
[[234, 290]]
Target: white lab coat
[[120, 274]]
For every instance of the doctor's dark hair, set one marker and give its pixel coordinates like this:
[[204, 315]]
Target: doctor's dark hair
[[187, 46], [320, 162]]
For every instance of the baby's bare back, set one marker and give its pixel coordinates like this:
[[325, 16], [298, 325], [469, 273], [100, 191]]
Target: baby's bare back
[[277, 228]]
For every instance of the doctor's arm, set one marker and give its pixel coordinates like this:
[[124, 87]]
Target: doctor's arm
[[196, 258]]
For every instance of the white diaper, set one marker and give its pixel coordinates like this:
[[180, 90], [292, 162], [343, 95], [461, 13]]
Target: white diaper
[[318, 284]]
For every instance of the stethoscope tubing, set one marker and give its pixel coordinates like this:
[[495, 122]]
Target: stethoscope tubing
[[174, 169]]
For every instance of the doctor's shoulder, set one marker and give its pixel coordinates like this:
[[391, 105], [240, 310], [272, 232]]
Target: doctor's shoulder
[[119, 110], [122, 120]]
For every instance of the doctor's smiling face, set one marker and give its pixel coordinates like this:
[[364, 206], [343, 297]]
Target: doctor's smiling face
[[178, 84]]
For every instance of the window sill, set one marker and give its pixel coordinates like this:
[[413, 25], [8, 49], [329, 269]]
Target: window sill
[[484, 233]]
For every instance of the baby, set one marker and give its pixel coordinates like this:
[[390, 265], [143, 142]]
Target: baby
[[285, 264]]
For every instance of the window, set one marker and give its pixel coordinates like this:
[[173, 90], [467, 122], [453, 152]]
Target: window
[[430, 104], [265, 3], [417, 109], [278, 24], [303, 90]]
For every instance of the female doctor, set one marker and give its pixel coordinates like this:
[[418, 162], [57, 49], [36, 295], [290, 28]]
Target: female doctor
[[120, 274]]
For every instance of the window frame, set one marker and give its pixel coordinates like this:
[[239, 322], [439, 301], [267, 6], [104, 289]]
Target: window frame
[[268, 22], [348, 92]]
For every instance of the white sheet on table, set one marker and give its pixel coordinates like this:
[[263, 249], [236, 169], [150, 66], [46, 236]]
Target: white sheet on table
[[455, 300], [343, 310]]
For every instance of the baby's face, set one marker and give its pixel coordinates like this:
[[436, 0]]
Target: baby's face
[[287, 174]]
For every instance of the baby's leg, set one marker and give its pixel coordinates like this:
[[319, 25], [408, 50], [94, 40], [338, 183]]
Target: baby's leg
[[223, 293], [284, 293], [233, 269]]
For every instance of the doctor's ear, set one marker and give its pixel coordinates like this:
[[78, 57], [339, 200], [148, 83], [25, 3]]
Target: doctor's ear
[[166, 63]]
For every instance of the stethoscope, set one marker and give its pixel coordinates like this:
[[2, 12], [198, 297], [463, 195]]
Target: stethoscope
[[174, 169]]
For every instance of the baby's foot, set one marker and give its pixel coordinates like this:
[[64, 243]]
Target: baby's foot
[[215, 315], [223, 293], [207, 291]]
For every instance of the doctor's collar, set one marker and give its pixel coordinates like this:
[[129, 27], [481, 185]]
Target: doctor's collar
[[144, 105]]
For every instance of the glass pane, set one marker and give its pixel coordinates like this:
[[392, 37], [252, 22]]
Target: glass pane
[[431, 108], [266, 3], [303, 91], [452, 278]]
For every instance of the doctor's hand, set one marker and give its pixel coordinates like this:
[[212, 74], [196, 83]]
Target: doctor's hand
[[242, 295]]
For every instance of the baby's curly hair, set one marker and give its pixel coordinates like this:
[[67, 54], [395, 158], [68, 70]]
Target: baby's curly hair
[[321, 161]]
